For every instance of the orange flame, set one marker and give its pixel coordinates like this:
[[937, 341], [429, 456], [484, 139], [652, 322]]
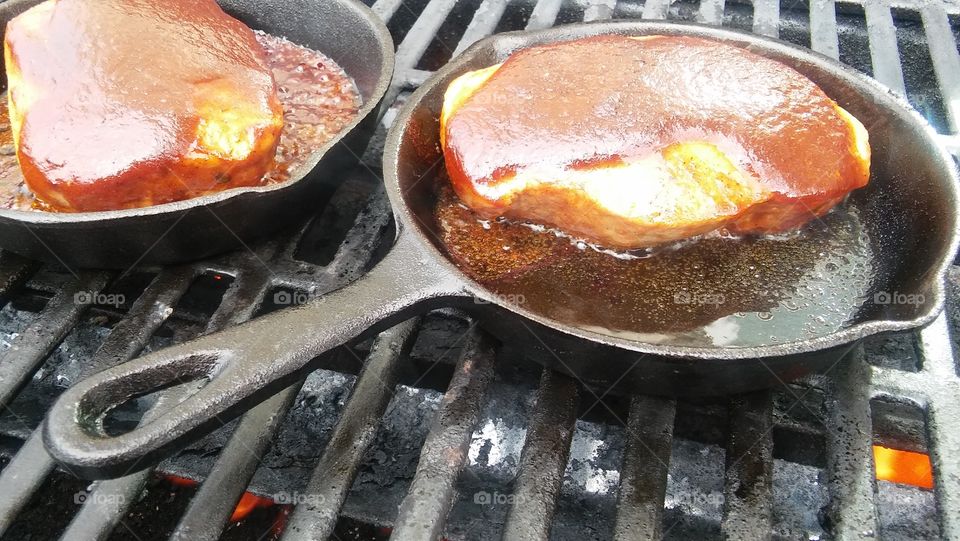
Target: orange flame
[[248, 502], [181, 481], [904, 467]]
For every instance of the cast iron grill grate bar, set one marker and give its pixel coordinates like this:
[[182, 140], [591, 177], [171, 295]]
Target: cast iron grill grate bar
[[483, 24], [643, 479], [656, 9], [936, 390], [823, 28], [883, 45], [415, 43], [711, 12], [946, 61], [150, 310], [431, 495], [642, 485], [943, 409], [941, 418], [749, 468], [355, 432], [544, 458], [14, 271], [850, 472], [544, 14], [213, 504], [766, 18], [600, 10], [386, 8]]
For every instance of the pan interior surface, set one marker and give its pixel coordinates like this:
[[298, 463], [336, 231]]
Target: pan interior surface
[[878, 257]]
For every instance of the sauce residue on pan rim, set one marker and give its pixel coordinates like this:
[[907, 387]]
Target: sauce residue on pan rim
[[319, 99]]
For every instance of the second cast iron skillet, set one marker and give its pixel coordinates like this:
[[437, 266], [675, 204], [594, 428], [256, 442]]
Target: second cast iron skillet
[[344, 30], [908, 213]]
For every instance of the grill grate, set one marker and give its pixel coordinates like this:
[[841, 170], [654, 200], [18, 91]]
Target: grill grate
[[825, 424]]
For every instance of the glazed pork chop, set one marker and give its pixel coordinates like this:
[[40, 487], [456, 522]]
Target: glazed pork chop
[[128, 103], [634, 142]]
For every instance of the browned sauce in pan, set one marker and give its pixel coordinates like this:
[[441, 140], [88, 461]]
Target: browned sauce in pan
[[318, 99], [711, 291]]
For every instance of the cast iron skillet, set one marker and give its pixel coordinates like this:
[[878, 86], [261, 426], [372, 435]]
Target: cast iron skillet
[[346, 31], [909, 211]]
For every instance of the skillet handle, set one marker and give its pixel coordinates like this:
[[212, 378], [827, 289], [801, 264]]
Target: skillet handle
[[249, 362]]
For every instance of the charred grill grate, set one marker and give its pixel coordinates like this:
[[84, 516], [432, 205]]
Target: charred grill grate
[[440, 434]]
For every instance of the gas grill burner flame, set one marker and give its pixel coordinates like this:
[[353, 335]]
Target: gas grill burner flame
[[903, 467], [248, 502]]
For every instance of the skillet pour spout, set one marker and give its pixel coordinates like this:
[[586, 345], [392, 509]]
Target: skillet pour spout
[[908, 212]]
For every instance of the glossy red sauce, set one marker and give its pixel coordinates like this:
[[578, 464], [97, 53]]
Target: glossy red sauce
[[318, 98], [606, 98]]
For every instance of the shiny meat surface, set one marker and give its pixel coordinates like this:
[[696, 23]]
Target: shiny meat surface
[[128, 103], [634, 142]]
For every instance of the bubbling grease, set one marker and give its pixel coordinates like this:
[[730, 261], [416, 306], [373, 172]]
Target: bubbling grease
[[711, 291]]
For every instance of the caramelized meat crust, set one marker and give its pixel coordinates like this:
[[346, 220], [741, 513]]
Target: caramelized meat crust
[[633, 142], [129, 103]]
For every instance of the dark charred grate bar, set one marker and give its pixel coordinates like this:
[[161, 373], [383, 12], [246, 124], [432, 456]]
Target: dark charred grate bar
[[429, 430]]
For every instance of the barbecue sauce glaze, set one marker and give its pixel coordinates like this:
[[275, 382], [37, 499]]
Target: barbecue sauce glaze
[[601, 101], [318, 100]]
